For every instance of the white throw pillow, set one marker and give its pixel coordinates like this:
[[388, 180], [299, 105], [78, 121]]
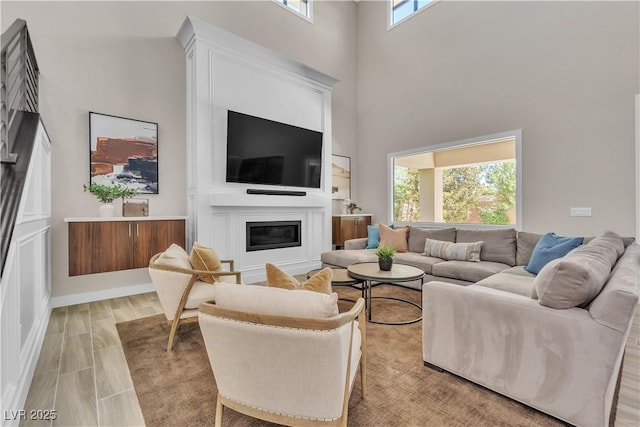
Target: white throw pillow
[[276, 301], [174, 256]]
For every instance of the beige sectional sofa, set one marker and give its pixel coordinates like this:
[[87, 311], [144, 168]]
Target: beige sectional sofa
[[494, 332]]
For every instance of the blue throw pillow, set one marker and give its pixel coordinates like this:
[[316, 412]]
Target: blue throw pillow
[[550, 247], [373, 236]]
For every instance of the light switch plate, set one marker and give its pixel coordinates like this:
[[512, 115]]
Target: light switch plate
[[580, 211]]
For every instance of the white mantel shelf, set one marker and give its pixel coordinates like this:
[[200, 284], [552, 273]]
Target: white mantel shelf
[[261, 200], [362, 214], [123, 218]]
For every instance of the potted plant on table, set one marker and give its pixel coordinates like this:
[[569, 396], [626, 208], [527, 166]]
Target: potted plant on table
[[106, 194], [385, 257], [352, 206]]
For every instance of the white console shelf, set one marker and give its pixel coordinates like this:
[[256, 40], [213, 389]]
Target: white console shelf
[[123, 218]]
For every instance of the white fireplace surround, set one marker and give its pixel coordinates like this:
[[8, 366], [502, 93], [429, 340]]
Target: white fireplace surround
[[226, 72]]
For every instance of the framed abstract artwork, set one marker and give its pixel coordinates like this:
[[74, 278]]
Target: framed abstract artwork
[[123, 151], [340, 177]]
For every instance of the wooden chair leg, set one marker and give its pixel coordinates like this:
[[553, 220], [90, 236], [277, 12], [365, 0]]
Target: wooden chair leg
[[219, 408], [363, 379], [172, 334]]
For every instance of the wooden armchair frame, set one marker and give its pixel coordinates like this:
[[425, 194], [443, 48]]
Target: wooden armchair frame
[[319, 324], [187, 290]]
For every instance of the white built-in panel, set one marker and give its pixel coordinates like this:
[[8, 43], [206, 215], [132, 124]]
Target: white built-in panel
[[226, 72], [29, 264], [267, 93], [317, 230], [220, 236], [25, 288]]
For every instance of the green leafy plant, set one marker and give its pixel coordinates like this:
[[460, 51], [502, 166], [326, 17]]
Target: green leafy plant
[[109, 193], [385, 252], [353, 206]]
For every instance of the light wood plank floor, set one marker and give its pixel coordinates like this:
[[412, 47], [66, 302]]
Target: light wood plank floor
[[83, 374]]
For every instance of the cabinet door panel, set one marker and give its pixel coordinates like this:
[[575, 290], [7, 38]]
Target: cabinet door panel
[[152, 237], [98, 247], [336, 235], [348, 228], [361, 225]]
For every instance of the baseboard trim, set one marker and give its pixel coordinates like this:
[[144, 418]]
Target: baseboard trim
[[81, 298]]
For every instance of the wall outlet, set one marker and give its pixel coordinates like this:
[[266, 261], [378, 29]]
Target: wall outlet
[[580, 211]]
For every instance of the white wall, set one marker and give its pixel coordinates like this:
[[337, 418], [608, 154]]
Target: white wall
[[122, 58], [566, 73]]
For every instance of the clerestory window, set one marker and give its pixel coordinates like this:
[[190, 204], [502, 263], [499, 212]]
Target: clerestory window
[[467, 182], [402, 9], [300, 7]]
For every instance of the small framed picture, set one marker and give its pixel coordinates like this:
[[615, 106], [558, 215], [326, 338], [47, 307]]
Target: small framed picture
[[123, 151], [340, 177]]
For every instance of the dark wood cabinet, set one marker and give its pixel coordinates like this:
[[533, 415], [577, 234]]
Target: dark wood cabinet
[[102, 246], [345, 227]]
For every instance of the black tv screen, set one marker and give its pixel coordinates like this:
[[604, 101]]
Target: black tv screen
[[261, 151]]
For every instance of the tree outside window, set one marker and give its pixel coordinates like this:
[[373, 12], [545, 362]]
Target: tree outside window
[[449, 187]]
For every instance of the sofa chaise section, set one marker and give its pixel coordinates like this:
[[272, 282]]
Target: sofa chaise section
[[564, 362]]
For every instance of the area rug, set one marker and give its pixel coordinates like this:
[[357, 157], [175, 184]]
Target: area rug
[[178, 388]]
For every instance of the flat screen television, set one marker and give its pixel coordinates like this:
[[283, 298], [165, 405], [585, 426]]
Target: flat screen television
[[261, 151]]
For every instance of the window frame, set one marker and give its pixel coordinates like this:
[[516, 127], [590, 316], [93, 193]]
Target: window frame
[[309, 18], [391, 25], [514, 134]]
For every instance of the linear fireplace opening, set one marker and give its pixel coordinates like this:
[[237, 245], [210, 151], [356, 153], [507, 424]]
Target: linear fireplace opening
[[263, 235]]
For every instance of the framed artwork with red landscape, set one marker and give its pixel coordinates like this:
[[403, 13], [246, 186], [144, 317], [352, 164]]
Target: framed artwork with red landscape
[[123, 151]]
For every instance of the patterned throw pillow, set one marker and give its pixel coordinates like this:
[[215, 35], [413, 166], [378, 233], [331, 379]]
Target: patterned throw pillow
[[396, 238], [206, 259], [453, 251], [319, 282]]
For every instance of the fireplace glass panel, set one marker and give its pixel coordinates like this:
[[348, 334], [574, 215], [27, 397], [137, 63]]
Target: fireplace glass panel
[[264, 235]]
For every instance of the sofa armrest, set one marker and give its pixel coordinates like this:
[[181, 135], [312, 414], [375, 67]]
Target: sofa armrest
[[561, 362], [356, 243]]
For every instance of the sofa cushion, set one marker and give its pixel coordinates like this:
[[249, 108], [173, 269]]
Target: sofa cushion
[[499, 245], [345, 257], [417, 237], [466, 270], [417, 260], [514, 283], [525, 242], [625, 240], [205, 259], [453, 251], [576, 279], [615, 304], [319, 282], [518, 270], [396, 238], [276, 301], [550, 247]]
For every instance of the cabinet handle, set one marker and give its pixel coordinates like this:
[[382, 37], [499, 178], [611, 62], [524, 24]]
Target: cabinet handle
[[129, 230], [137, 230]]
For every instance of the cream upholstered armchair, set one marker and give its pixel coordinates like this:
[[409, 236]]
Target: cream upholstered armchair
[[290, 369], [181, 288]]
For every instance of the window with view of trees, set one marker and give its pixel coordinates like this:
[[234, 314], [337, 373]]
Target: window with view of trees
[[401, 9], [475, 184], [301, 7]]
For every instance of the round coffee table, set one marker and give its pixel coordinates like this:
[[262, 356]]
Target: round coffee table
[[369, 272], [341, 278]]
